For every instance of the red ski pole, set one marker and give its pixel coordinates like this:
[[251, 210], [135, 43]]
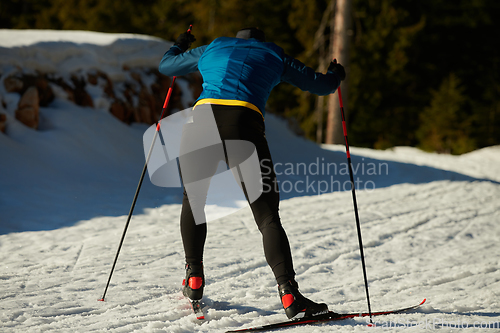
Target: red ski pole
[[165, 104], [360, 240]]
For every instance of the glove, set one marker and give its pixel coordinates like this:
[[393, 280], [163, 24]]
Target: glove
[[338, 69], [184, 41]]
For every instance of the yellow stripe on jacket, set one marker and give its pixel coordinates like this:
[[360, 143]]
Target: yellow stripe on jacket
[[231, 102]]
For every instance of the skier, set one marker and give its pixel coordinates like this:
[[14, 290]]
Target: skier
[[238, 76]]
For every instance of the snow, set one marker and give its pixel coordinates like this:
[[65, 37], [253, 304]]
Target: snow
[[430, 226], [69, 51]]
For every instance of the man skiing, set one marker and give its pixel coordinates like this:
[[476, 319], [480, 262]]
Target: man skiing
[[238, 76]]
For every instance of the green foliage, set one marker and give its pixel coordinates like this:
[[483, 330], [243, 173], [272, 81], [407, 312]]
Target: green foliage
[[403, 52], [304, 18], [21, 14], [400, 90], [445, 125], [381, 86], [214, 18]]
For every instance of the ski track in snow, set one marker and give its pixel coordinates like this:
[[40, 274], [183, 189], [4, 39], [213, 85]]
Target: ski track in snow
[[430, 230], [437, 240]]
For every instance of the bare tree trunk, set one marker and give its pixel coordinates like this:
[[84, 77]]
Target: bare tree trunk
[[320, 104], [319, 44], [340, 25], [319, 118]]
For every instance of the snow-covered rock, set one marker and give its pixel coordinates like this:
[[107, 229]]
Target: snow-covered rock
[[113, 73], [28, 108]]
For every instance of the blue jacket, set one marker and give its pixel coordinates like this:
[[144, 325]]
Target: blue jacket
[[245, 70]]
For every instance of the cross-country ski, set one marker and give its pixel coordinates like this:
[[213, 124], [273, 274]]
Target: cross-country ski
[[329, 317]]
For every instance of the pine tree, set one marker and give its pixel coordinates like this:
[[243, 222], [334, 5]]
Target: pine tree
[[445, 124]]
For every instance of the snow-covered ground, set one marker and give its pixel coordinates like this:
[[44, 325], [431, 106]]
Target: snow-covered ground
[[430, 226]]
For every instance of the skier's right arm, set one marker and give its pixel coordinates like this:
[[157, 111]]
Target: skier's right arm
[[305, 78]]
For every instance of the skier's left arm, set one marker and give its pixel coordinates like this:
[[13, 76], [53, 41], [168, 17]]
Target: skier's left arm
[[305, 78], [177, 63]]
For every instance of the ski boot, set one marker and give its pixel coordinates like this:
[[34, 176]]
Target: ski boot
[[296, 305], [194, 282]]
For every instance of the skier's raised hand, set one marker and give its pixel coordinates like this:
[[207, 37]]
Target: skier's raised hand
[[338, 69], [184, 41]]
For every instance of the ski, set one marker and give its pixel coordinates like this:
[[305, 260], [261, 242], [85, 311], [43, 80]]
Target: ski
[[330, 316], [195, 305]]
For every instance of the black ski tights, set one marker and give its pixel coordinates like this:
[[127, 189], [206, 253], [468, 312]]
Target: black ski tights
[[240, 123]]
